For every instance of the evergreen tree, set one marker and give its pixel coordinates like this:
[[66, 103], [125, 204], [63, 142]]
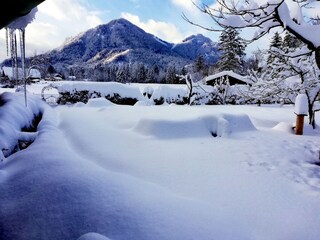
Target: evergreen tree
[[290, 42], [199, 64], [183, 71], [142, 73], [150, 76], [51, 70], [276, 43], [171, 75], [156, 69], [232, 48], [275, 59], [71, 72], [122, 74]]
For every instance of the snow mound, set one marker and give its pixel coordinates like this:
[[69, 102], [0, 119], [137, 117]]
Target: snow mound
[[93, 236], [13, 117], [220, 125], [284, 127], [99, 102], [79, 104]]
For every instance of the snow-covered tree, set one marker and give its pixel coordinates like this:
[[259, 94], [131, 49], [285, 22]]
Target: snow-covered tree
[[255, 61], [290, 42], [276, 42], [122, 74], [199, 64], [171, 75], [292, 15], [232, 48], [288, 78]]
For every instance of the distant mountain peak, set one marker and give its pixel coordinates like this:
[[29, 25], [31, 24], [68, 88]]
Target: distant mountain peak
[[198, 38], [120, 41]]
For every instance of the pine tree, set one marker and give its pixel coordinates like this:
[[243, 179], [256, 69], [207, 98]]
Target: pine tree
[[71, 72], [232, 48], [51, 70], [276, 43], [142, 73], [199, 64], [171, 75], [290, 42], [156, 69]]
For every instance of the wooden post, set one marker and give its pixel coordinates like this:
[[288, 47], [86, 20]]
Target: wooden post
[[301, 110], [299, 124]]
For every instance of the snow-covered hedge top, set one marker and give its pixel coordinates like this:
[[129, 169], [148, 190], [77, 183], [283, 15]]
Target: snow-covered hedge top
[[105, 88], [169, 93], [301, 104]]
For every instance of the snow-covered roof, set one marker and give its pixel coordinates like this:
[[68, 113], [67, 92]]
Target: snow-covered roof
[[8, 72], [34, 73], [225, 73]]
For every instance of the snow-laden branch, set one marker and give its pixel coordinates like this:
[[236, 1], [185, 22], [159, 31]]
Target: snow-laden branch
[[262, 16]]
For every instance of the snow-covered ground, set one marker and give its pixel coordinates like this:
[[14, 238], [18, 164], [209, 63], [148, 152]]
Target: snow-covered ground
[[104, 171]]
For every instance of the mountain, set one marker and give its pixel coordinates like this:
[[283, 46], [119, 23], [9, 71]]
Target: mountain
[[122, 41], [121, 51], [195, 45]]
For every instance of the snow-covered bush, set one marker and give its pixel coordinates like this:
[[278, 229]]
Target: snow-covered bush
[[130, 94], [73, 92], [147, 92], [168, 94]]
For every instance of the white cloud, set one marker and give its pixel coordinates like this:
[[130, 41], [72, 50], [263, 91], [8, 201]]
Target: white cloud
[[164, 30], [185, 4], [54, 22]]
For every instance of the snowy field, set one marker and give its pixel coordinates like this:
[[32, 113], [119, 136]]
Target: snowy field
[[105, 171]]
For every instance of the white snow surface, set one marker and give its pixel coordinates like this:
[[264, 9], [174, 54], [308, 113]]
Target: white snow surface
[[105, 171]]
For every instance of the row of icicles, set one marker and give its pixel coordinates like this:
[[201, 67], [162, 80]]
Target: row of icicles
[[19, 25], [12, 47]]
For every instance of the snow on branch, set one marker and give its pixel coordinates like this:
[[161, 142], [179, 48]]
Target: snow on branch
[[262, 16]]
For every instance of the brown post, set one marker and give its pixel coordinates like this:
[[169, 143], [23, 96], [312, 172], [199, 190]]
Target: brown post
[[299, 124]]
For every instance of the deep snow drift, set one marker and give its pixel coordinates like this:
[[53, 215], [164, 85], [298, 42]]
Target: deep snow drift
[[103, 171]]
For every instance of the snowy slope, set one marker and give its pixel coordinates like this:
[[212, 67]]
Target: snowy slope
[[121, 41], [102, 171]]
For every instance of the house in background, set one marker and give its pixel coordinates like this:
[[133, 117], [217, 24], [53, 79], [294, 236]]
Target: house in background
[[33, 73], [11, 74], [233, 78]]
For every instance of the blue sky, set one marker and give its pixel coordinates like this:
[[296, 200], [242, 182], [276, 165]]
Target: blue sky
[[57, 20]]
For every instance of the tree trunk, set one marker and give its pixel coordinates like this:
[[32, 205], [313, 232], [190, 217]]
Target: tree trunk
[[317, 56], [311, 116]]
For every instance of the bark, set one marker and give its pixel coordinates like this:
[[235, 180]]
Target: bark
[[312, 121], [317, 56]]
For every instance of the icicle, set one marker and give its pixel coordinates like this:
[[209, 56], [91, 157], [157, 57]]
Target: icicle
[[12, 51], [16, 58], [7, 40], [23, 59], [19, 24]]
